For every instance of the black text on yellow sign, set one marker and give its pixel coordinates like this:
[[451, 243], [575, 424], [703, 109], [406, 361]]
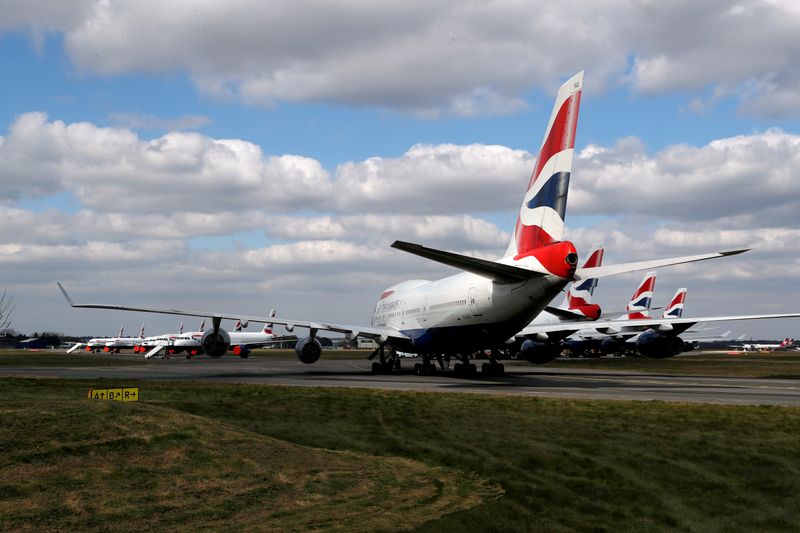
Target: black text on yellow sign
[[129, 394]]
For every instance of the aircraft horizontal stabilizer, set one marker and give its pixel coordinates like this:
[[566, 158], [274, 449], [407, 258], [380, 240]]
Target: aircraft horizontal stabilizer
[[497, 272], [566, 314], [623, 268]]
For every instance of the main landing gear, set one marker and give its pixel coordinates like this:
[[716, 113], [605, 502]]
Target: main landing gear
[[426, 367], [492, 368], [389, 361]]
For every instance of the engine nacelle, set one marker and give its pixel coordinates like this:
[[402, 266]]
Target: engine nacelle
[[611, 346], [241, 350], [657, 345], [308, 350], [539, 353], [215, 345]]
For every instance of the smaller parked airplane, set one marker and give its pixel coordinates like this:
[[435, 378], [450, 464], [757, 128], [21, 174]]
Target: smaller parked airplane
[[758, 347]]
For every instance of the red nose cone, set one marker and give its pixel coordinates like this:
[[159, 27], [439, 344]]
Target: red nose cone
[[559, 258]]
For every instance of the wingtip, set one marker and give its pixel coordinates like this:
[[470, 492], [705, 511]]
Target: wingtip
[[735, 252], [66, 296]]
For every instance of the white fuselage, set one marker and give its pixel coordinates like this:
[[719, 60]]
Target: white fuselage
[[462, 312], [193, 339]]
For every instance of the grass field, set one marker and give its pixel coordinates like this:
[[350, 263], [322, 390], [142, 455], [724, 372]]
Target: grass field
[[765, 365], [231, 456]]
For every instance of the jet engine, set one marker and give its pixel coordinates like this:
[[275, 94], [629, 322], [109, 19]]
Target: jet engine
[[539, 353], [308, 350], [612, 346], [656, 345], [215, 344], [241, 350]]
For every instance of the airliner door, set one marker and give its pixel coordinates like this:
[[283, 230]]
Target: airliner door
[[472, 302]]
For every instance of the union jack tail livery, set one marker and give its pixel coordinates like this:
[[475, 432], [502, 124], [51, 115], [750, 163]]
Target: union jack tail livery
[[268, 327], [579, 294], [541, 217], [675, 307], [639, 306]]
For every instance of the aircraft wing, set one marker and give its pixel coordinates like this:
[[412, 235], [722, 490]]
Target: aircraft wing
[[662, 324], [372, 332]]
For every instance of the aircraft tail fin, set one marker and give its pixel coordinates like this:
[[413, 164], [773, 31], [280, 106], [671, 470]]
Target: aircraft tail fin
[[578, 299], [268, 327], [642, 299], [541, 217], [675, 307]]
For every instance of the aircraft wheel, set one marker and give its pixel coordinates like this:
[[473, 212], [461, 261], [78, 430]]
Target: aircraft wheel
[[493, 369]]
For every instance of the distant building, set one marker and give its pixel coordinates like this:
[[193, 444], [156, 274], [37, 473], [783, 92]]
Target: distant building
[[366, 344]]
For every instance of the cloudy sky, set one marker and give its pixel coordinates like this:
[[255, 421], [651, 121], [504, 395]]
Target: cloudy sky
[[244, 155]]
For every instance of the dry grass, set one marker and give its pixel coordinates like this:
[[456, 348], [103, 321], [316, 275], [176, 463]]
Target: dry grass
[[89, 465]]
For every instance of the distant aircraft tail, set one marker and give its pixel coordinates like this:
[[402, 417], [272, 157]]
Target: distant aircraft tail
[[639, 306], [541, 217], [121, 331], [180, 329], [787, 343], [141, 332], [203, 325], [579, 294], [268, 327], [675, 307], [238, 326]]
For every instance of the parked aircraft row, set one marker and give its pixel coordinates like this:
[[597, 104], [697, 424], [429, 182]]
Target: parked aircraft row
[[241, 344], [490, 303]]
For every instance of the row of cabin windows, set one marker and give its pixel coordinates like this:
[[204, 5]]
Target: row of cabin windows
[[448, 304]]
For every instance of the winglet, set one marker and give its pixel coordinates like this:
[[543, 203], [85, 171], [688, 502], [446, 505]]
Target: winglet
[[64, 292]]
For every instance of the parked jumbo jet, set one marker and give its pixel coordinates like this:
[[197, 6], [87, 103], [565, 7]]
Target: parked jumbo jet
[[489, 301]]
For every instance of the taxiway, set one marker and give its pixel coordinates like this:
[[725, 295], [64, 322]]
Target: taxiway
[[520, 379]]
